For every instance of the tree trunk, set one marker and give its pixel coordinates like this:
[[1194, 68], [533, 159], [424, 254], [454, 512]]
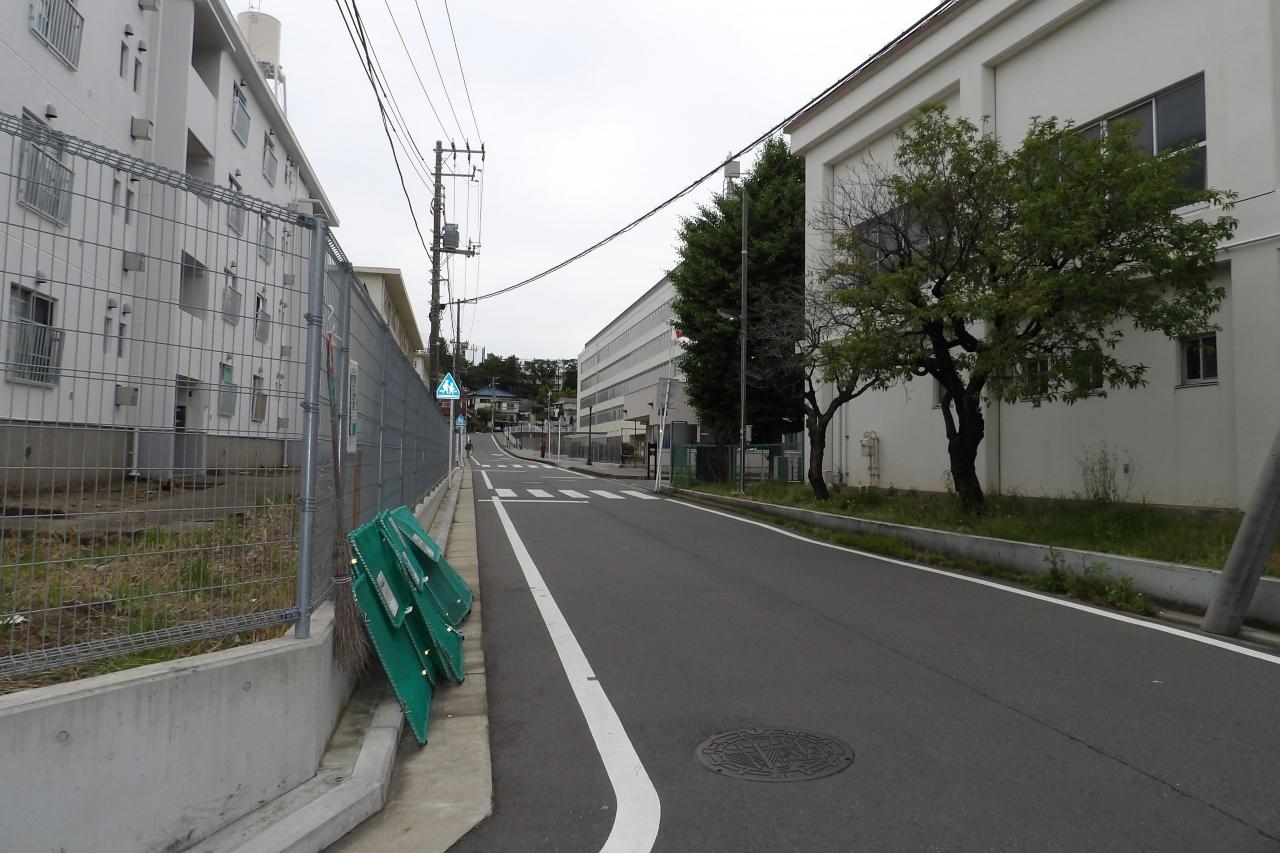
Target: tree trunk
[[962, 448], [817, 428]]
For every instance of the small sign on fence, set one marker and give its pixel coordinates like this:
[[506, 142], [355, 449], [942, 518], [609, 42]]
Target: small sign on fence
[[353, 406]]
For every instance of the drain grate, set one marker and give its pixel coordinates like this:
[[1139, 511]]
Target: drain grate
[[774, 755]]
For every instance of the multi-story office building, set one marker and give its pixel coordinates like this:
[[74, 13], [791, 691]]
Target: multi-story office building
[[147, 325], [625, 370], [1198, 432]]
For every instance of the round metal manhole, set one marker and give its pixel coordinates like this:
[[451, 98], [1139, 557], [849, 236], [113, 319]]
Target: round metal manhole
[[774, 755]]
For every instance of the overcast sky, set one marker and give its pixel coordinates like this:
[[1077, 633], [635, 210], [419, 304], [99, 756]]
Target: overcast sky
[[590, 116]]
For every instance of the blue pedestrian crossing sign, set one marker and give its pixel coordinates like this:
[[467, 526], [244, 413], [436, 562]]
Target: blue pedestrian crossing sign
[[460, 421], [448, 389]]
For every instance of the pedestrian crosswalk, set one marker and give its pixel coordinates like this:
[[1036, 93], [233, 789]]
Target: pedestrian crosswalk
[[572, 494], [503, 465]]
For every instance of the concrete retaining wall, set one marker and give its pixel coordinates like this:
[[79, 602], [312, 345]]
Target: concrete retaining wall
[[156, 758], [1188, 587], [38, 458]]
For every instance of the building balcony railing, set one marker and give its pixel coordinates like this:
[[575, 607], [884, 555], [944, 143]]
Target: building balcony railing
[[34, 353], [44, 183], [59, 24]]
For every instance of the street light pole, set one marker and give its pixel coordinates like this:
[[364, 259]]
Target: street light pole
[[589, 420], [742, 367]]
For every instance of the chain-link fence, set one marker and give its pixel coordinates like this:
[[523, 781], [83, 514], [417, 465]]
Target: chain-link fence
[[161, 340]]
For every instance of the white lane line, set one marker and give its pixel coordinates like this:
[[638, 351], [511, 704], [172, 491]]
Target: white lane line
[[570, 493], [602, 493], [506, 493], [539, 493], [638, 812], [536, 501], [484, 465], [1025, 593], [485, 475], [500, 466], [641, 495]]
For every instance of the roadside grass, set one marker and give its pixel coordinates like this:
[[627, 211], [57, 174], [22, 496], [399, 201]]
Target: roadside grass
[[1197, 537], [65, 588], [1092, 586]]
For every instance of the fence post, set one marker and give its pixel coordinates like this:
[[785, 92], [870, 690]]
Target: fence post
[[311, 415], [346, 282]]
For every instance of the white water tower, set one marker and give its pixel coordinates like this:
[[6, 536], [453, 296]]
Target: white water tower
[[262, 32]]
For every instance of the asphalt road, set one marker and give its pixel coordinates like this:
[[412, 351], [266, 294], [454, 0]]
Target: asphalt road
[[981, 719]]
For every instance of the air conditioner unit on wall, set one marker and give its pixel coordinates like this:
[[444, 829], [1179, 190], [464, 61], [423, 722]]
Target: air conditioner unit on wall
[[149, 5], [126, 395], [140, 128]]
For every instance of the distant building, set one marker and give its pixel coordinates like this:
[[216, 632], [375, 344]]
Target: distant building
[[626, 369], [391, 301], [503, 405]]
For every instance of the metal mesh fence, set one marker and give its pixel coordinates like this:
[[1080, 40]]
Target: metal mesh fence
[[153, 458]]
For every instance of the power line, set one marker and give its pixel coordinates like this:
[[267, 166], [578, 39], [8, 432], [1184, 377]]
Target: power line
[[414, 66], [458, 54], [439, 73], [693, 185], [382, 110]]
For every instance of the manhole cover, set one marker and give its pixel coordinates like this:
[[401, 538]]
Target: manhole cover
[[774, 755]]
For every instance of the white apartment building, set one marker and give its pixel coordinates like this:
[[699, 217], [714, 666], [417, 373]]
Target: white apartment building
[[391, 300], [147, 328], [624, 372], [1197, 433]]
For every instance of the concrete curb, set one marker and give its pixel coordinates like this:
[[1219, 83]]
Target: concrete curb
[[324, 820], [1186, 587]]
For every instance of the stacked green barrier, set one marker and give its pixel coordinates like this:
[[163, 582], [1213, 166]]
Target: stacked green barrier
[[413, 602]]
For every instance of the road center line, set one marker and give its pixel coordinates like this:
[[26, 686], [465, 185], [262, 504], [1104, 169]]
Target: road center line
[[638, 812], [1026, 593]]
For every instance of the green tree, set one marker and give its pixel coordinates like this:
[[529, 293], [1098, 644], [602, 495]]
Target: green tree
[[707, 282], [1015, 274]]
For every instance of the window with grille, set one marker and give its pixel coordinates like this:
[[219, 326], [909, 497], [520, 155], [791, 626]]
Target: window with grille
[[59, 24], [270, 162], [44, 183], [34, 352], [259, 413], [239, 114], [228, 391], [261, 318], [231, 300]]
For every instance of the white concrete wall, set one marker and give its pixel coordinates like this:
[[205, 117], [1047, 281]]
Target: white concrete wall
[[159, 757], [1005, 61]]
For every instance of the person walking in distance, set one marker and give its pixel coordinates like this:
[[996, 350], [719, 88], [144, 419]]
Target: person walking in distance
[[542, 449]]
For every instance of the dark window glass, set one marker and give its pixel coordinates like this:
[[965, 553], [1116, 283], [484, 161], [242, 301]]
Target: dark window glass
[[1209, 356], [1091, 131], [1143, 138], [1180, 115], [1192, 359], [1195, 177]]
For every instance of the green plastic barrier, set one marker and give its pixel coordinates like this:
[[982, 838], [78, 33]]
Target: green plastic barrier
[[445, 582], [397, 651], [377, 559]]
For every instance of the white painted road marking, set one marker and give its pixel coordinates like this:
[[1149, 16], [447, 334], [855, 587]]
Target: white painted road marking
[[506, 493], [539, 493], [602, 493], [1026, 593], [570, 493], [641, 495], [638, 813], [485, 475]]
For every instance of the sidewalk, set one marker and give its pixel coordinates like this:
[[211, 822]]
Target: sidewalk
[[598, 469]]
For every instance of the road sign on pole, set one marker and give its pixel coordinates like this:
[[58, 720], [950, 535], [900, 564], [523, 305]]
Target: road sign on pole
[[460, 421], [448, 389]]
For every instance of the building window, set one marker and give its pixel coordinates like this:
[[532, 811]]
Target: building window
[[270, 163], [239, 114], [116, 186], [259, 412], [137, 75], [1169, 121], [122, 332], [1199, 359], [106, 335], [44, 183], [59, 24], [266, 240], [235, 213], [1035, 375], [124, 59], [261, 318], [231, 300], [130, 203], [193, 287], [227, 391], [35, 346]]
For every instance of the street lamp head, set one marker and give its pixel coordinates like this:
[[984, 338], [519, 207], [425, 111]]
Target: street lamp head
[[728, 315]]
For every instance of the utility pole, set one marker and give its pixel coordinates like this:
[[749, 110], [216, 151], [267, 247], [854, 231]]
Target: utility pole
[[437, 205], [742, 369], [457, 375], [438, 242]]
